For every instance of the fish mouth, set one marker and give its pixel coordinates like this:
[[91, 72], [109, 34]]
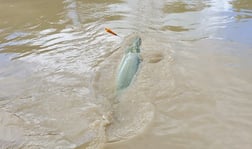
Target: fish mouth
[[137, 41], [135, 46]]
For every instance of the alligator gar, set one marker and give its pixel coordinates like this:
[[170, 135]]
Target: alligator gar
[[129, 64]]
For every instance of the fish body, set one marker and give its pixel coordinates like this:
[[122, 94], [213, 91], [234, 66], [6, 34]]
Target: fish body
[[129, 64]]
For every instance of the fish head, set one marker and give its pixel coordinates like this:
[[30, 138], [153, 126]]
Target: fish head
[[135, 46]]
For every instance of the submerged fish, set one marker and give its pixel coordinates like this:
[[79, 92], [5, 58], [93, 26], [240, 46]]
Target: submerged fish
[[129, 64]]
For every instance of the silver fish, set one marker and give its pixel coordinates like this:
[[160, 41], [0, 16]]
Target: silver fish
[[129, 64]]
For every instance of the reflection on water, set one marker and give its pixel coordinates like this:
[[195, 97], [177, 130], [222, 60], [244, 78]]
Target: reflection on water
[[182, 6], [58, 66], [245, 5], [243, 9]]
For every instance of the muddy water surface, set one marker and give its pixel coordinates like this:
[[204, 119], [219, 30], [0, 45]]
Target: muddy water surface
[[58, 67]]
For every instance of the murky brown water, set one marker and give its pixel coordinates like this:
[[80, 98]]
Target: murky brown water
[[58, 68]]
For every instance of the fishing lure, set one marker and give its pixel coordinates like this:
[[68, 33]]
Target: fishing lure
[[110, 31]]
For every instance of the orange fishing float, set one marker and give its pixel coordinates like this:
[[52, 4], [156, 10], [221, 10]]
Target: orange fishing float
[[110, 31]]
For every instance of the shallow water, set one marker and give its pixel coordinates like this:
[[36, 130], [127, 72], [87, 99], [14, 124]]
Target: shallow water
[[58, 70]]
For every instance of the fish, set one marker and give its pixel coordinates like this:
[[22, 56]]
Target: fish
[[129, 64], [110, 31]]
